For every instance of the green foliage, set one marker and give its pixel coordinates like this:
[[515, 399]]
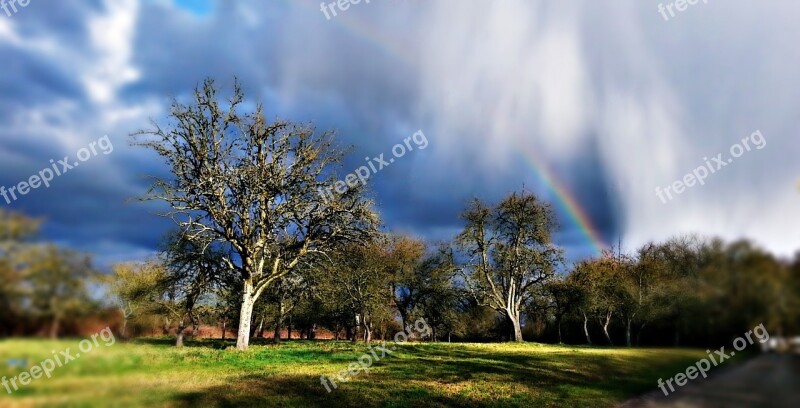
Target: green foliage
[[59, 284], [40, 284], [357, 283], [686, 291]]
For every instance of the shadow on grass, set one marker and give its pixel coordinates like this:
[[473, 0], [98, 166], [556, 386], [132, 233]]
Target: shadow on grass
[[306, 391], [445, 377]]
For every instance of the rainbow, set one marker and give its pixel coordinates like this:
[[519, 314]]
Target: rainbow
[[566, 201]]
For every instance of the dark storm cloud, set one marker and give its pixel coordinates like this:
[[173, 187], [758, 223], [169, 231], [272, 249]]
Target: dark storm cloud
[[594, 188], [29, 78], [478, 80]]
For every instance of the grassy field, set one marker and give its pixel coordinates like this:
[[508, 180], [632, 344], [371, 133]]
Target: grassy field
[[152, 373]]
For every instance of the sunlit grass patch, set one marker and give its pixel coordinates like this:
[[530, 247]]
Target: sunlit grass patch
[[153, 373]]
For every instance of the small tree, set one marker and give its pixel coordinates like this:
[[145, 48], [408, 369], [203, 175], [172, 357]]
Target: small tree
[[510, 250], [580, 279], [404, 262], [138, 288], [125, 286], [15, 232], [603, 279], [564, 296], [60, 281], [356, 276], [439, 299], [286, 294]]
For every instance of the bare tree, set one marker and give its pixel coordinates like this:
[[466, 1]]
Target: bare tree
[[254, 186], [509, 249]]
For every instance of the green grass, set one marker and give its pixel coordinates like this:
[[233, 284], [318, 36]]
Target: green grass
[[151, 373]]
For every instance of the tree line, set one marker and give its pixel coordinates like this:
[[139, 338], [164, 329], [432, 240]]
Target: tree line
[[685, 291], [255, 248]]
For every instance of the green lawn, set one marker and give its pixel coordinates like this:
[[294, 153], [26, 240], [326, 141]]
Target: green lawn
[[151, 373]]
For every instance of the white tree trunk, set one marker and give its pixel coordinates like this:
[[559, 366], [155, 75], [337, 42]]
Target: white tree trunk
[[586, 328], [605, 328], [513, 316], [243, 339], [179, 334]]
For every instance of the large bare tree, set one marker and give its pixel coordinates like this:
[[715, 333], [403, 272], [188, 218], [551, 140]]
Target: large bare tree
[[509, 250], [254, 186]]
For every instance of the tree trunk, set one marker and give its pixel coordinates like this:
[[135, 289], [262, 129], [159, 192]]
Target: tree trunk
[[639, 335], [246, 314], [224, 328], [403, 316], [628, 333], [179, 334], [513, 317], [558, 323], [289, 328], [276, 337], [367, 330], [260, 329], [605, 328], [586, 329], [55, 326], [124, 330]]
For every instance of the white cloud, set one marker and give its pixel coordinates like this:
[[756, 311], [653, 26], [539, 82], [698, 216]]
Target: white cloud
[[111, 35], [648, 93]]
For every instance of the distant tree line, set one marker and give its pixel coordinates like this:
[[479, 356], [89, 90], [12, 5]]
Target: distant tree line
[[685, 291]]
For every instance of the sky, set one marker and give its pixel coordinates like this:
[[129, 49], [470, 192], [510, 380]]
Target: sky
[[597, 107]]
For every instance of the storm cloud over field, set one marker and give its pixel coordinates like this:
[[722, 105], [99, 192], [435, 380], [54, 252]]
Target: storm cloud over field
[[596, 103]]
